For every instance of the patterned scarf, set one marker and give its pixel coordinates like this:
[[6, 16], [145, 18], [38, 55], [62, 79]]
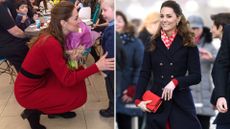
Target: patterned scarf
[[168, 40]]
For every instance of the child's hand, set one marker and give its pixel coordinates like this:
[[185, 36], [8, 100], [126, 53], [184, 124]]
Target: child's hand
[[24, 18]]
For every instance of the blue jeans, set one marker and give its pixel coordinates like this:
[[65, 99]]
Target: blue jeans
[[223, 126]]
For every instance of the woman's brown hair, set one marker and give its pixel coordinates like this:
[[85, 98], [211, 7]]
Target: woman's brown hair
[[128, 28], [61, 11], [182, 27]]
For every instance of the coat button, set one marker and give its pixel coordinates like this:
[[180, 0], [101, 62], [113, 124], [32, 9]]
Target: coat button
[[161, 64], [162, 76], [172, 76], [171, 64]]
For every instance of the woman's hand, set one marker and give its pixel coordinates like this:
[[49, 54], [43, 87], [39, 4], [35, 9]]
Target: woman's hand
[[221, 105], [168, 91], [105, 63], [142, 105]]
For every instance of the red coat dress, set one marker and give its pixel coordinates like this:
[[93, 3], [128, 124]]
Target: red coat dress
[[58, 89]]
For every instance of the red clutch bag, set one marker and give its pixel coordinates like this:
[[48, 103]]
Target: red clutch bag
[[156, 100]]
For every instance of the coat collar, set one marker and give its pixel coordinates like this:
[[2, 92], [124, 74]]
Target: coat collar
[[176, 44]]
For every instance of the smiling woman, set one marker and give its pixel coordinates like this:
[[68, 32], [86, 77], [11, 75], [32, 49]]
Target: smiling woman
[[172, 54], [45, 83]]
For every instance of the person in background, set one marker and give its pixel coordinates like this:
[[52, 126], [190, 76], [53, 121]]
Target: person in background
[[42, 4], [12, 40], [121, 58], [45, 84], [149, 28], [99, 23], [34, 5], [95, 10], [173, 58], [108, 46], [220, 75], [22, 20], [136, 22], [202, 92], [219, 21], [46, 6], [134, 50]]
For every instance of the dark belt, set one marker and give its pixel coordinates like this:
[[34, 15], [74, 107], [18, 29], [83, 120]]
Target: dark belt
[[30, 75]]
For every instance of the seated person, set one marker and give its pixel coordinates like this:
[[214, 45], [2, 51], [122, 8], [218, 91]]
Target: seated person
[[22, 20]]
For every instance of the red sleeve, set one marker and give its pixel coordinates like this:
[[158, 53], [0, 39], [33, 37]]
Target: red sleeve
[[131, 91], [56, 62], [137, 101], [175, 81]]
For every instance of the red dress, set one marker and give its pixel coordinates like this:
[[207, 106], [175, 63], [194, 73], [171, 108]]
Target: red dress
[[59, 89]]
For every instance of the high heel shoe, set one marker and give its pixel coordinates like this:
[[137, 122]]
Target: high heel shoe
[[33, 116]]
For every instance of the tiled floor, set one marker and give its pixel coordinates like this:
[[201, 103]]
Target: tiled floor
[[87, 116]]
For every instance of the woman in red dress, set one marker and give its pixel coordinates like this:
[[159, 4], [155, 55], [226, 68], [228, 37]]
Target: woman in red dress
[[45, 84]]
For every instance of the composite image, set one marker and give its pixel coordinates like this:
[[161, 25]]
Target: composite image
[[114, 64]]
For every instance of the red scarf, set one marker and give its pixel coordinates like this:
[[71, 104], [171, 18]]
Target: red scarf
[[168, 40]]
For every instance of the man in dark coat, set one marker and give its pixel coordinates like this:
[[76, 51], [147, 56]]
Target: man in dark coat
[[220, 74]]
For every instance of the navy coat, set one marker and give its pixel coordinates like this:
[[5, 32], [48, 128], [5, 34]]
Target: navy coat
[[221, 76], [134, 50], [179, 62]]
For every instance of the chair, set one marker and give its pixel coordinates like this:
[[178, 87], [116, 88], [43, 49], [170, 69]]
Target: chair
[[7, 68]]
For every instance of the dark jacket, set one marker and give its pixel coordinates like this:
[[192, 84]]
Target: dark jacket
[[21, 25], [108, 41], [120, 54], [134, 50], [181, 63], [220, 75], [145, 37]]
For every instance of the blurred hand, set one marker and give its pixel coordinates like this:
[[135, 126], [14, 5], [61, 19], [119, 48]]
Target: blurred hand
[[204, 54], [24, 17], [77, 4], [142, 105], [125, 98], [105, 63], [168, 91], [221, 105], [75, 53], [35, 17]]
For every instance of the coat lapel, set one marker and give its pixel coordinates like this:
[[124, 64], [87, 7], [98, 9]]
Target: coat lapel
[[177, 44], [161, 46]]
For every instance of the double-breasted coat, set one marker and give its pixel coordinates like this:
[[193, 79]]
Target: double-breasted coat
[[179, 62]]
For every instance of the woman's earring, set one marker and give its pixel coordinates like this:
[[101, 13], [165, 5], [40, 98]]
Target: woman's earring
[[177, 23]]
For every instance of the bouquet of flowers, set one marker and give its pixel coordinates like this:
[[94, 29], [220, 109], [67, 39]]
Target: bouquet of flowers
[[79, 42]]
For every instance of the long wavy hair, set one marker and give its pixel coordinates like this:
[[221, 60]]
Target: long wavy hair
[[61, 11], [183, 27]]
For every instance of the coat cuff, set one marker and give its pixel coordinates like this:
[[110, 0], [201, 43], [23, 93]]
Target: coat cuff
[[131, 91], [175, 81], [137, 101]]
